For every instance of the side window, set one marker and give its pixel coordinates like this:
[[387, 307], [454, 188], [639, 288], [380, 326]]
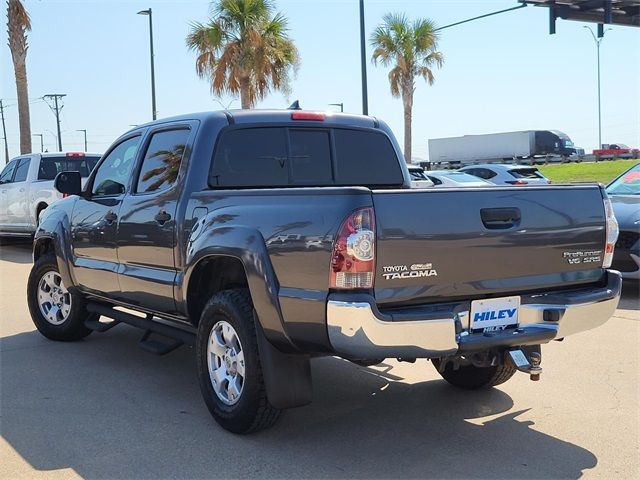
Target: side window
[[22, 170], [472, 171], [487, 174], [114, 172], [310, 156], [161, 163], [251, 157], [7, 172]]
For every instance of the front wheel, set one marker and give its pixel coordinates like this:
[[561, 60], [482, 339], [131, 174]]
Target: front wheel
[[470, 377], [58, 314], [229, 369]]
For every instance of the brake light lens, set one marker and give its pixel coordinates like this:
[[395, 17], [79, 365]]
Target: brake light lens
[[75, 154], [518, 182], [353, 256], [320, 117], [611, 233]]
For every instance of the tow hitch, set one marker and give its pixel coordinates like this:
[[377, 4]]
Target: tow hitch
[[528, 364]]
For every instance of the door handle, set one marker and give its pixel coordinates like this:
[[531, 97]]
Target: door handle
[[110, 217], [162, 217], [500, 218], [21, 190]]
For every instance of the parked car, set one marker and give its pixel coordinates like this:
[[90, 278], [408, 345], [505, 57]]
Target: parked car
[[418, 177], [624, 192], [504, 174], [199, 224], [453, 178], [26, 187], [615, 150]]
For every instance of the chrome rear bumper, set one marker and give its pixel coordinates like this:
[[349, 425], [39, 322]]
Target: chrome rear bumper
[[357, 329]]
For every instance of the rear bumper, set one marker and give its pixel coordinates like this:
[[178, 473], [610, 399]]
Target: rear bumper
[[357, 329]]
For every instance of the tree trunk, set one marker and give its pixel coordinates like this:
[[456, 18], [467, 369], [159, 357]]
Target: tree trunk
[[18, 24], [24, 117], [245, 101], [407, 100]]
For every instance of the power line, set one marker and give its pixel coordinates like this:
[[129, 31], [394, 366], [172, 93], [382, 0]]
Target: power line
[[56, 108]]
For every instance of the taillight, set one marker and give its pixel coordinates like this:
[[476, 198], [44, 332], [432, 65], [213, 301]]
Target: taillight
[[353, 256], [518, 182], [611, 233], [65, 195]]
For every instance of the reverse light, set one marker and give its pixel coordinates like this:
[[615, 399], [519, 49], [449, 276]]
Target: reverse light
[[353, 256], [611, 233], [320, 117]]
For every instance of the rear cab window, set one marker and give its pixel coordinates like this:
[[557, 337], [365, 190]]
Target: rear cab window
[[52, 166], [289, 156]]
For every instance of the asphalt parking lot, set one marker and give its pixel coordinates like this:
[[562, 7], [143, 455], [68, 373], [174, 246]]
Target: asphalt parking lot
[[103, 408]]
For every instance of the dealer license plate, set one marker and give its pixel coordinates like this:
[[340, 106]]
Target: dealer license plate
[[494, 314]]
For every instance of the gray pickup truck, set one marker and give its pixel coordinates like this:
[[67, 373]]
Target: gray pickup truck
[[266, 238]]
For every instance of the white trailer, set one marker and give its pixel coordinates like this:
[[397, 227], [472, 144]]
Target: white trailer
[[501, 147]]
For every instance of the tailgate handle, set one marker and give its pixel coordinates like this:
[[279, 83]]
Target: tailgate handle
[[499, 218]]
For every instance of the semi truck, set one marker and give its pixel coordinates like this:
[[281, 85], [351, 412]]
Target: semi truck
[[531, 146]]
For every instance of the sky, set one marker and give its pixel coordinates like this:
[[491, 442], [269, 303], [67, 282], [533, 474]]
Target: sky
[[501, 73]]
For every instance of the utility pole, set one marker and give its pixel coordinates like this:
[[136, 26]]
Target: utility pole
[[363, 60], [4, 132], [56, 108], [341, 105], [85, 137], [41, 140]]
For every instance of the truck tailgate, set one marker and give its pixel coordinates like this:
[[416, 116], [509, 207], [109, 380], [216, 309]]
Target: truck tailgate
[[439, 245]]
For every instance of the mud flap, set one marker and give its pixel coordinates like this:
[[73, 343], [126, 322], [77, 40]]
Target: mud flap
[[287, 377]]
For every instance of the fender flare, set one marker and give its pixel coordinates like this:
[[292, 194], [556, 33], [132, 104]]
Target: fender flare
[[55, 227], [248, 246]]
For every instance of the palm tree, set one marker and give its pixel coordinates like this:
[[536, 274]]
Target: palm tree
[[18, 25], [411, 47], [244, 49]]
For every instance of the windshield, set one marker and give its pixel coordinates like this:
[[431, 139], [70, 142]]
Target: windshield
[[525, 173], [627, 184]]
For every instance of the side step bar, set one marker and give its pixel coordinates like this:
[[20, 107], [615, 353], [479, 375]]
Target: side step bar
[[178, 335]]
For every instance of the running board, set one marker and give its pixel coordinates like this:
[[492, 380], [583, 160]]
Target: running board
[[178, 335]]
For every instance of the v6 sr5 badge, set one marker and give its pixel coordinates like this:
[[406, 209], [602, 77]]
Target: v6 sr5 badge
[[395, 272]]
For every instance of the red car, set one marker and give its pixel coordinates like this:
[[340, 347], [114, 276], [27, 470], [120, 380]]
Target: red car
[[616, 150]]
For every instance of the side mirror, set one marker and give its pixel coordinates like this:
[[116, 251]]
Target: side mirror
[[68, 183]]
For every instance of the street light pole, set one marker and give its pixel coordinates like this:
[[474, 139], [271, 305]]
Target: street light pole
[[598, 41], [153, 75], [341, 105], [363, 62], [85, 137]]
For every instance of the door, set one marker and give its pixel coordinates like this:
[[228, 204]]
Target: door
[[6, 177], [147, 224], [94, 221], [18, 197]]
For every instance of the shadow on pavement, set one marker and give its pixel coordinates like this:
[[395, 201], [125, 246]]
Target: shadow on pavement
[[630, 299], [109, 410], [15, 250]]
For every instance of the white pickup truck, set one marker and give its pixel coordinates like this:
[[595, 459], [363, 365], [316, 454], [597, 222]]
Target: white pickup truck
[[26, 187]]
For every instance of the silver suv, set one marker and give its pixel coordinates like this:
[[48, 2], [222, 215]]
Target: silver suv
[[26, 187]]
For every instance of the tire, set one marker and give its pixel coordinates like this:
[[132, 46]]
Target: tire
[[470, 377], [238, 401], [68, 324]]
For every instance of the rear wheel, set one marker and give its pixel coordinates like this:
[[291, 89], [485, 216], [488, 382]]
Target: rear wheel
[[58, 314], [470, 377], [229, 369]]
